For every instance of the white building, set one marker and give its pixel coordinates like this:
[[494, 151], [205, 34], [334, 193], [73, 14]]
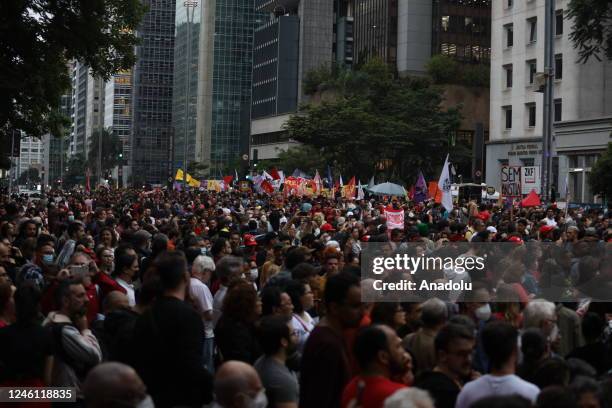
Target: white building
[[582, 98], [87, 108], [31, 155]]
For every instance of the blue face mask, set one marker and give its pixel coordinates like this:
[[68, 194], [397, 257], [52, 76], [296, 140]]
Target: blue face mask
[[71, 218], [47, 259]]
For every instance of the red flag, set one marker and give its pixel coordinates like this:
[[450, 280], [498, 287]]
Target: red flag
[[267, 187], [274, 174], [227, 180]]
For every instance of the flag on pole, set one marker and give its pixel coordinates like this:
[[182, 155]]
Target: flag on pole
[[360, 193], [420, 189], [274, 174], [179, 175], [267, 187], [317, 181], [349, 189], [444, 183], [372, 182], [341, 182]]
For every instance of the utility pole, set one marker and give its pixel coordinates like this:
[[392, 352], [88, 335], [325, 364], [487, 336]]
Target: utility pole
[[190, 6], [549, 74], [12, 157]]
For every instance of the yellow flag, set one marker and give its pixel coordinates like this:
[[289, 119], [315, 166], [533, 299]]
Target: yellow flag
[[179, 175]]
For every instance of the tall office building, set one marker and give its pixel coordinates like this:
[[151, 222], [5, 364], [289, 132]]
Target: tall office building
[[296, 37], [87, 111], [118, 113], [374, 30], [56, 148], [151, 127], [31, 155], [458, 28], [582, 101], [220, 77]]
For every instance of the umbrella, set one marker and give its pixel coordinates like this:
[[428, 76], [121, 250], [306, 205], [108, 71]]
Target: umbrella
[[388, 189]]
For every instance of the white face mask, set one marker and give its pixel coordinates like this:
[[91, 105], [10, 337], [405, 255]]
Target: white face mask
[[254, 273], [552, 337], [260, 400], [483, 313], [147, 402]]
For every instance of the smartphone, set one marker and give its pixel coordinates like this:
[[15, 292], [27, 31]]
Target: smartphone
[[79, 271]]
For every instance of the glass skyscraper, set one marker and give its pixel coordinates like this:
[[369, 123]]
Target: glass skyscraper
[[220, 76], [150, 158]]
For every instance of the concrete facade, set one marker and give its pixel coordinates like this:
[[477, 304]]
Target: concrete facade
[[414, 28], [582, 93]]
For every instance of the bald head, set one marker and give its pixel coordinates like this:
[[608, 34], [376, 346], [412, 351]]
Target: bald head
[[113, 385], [234, 382], [116, 300]]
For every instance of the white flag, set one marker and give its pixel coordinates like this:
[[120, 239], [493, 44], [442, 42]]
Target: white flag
[[444, 184], [360, 193]]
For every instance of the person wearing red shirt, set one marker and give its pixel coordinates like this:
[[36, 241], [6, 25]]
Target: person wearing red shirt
[[381, 356]]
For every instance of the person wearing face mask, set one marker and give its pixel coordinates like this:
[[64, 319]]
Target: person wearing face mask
[[476, 306], [278, 339], [237, 385], [35, 270], [115, 384]]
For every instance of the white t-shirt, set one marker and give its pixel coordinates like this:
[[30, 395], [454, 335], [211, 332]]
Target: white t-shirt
[[129, 288], [303, 327], [489, 385], [218, 303], [549, 222], [204, 301]]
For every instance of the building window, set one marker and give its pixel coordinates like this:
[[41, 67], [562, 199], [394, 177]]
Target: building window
[[509, 28], [558, 110], [508, 69], [531, 70], [558, 66], [445, 23], [531, 114], [559, 22], [508, 116], [509, 3], [532, 26]]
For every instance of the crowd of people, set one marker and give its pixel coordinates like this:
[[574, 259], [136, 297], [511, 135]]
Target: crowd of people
[[233, 299]]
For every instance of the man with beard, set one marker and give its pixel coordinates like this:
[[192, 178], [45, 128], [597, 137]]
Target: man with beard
[[454, 346], [76, 348], [325, 367], [381, 356], [279, 341]]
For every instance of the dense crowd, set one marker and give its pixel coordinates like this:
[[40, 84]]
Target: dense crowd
[[184, 299]]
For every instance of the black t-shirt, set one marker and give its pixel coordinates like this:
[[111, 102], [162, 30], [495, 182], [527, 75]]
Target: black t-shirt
[[443, 389], [168, 347], [23, 350], [325, 369]]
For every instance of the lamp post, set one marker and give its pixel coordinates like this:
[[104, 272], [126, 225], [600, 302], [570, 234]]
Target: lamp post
[[190, 6], [549, 74]]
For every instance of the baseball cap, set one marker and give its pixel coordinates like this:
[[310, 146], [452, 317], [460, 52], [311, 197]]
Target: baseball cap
[[492, 229], [546, 228], [327, 227], [516, 240], [249, 240]]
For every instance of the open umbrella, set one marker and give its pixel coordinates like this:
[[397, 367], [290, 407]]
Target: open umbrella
[[388, 189]]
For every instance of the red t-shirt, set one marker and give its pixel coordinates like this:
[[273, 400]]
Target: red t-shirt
[[376, 391]]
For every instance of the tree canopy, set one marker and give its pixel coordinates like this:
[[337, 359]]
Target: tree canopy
[[591, 28], [29, 177], [112, 148], [601, 174], [39, 37], [305, 158], [376, 121]]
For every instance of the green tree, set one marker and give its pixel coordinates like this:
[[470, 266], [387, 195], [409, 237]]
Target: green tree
[[395, 125], [39, 37], [29, 177], [591, 28], [443, 69], [306, 158], [198, 170], [75, 171], [600, 178], [112, 150]]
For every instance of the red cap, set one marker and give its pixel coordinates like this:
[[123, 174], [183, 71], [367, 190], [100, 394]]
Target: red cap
[[327, 227], [516, 240], [546, 228], [249, 240]]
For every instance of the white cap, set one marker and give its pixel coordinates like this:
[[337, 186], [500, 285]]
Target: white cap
[[492, 229]]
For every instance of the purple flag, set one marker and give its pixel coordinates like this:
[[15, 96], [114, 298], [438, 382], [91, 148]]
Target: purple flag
[[420, 189]]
